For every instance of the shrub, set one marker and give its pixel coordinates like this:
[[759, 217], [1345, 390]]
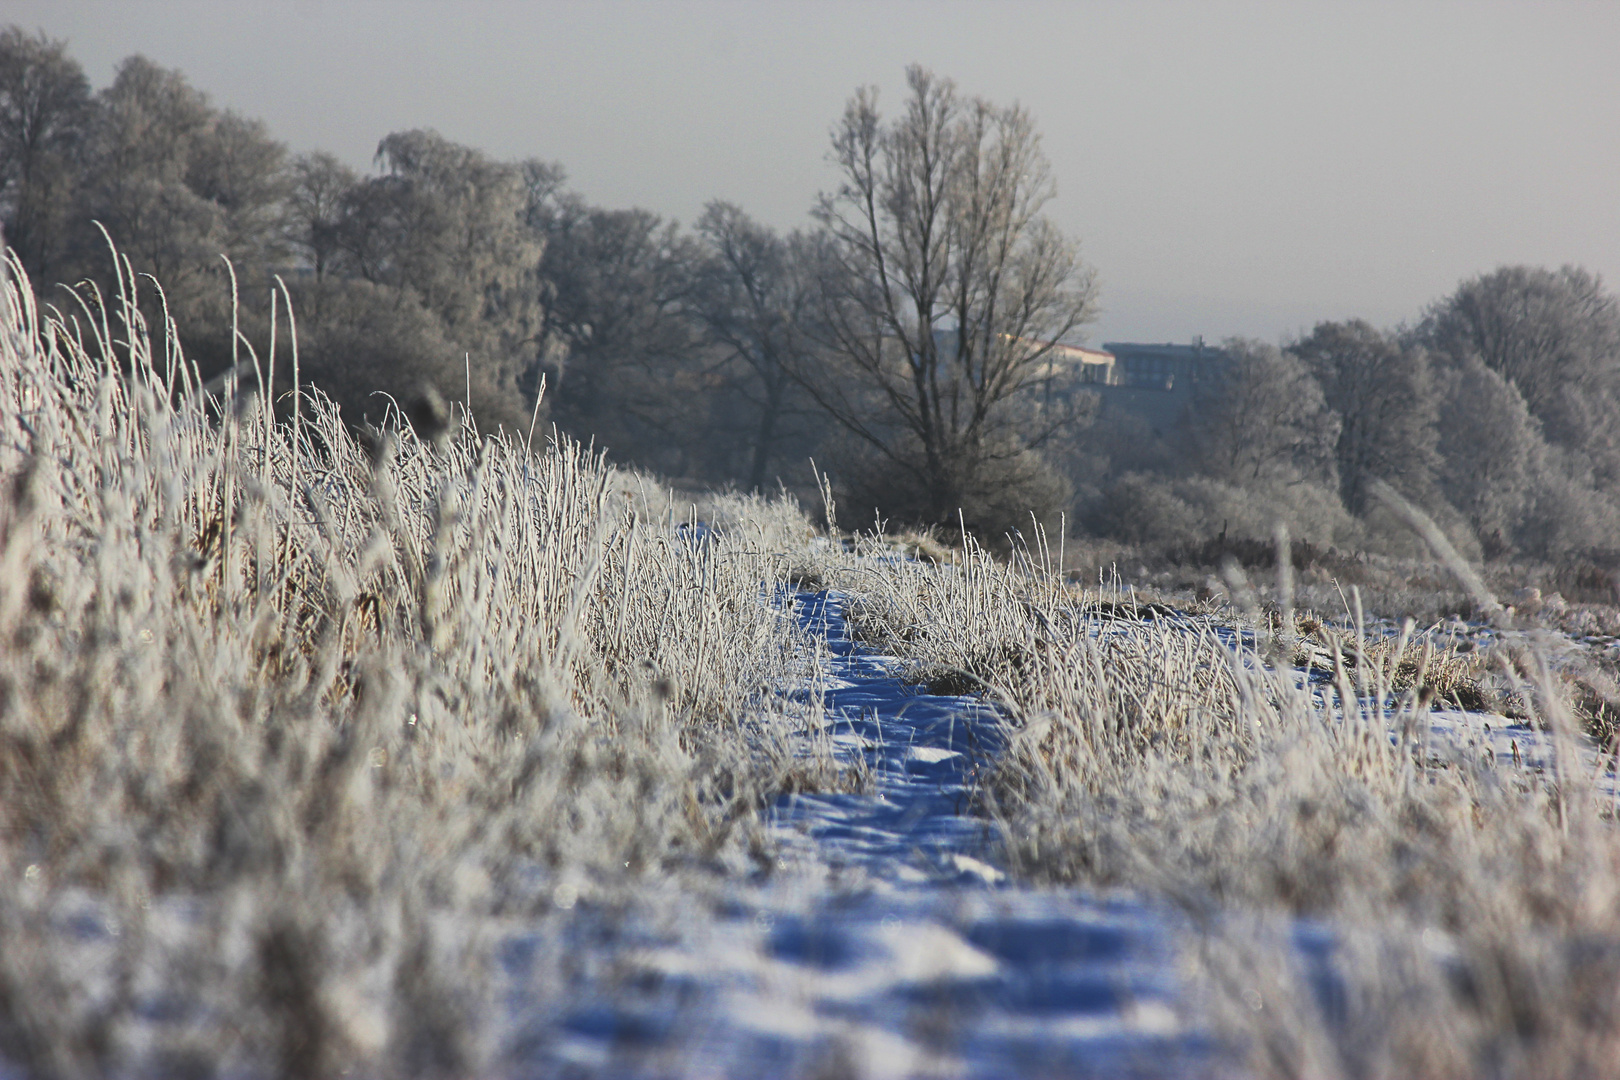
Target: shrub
[[997, 491], [1145, 509]]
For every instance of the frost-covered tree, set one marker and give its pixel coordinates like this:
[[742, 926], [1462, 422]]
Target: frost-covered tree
[[1382, 392], [147, 127], [944, 286], [44, 107], [1491, 450], [439, 235], [1555, 336], [619, 331], [176, 184], [241, 170], [1264, 415], [445, 224]]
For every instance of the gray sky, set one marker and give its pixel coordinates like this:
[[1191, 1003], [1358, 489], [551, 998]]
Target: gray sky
[[1230, 168]]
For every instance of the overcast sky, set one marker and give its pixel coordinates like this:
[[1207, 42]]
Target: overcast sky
[[1230, 168]]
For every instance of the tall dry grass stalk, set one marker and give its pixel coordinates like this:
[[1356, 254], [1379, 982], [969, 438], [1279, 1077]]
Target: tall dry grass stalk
[[1368, 900], [295, 716]]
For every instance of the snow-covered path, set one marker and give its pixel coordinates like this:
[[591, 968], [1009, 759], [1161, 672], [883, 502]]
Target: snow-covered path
[[885, 943], [874, 936], [921, 750]]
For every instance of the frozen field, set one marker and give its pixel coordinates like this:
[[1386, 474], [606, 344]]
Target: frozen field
[[884, 941], [876, 935]]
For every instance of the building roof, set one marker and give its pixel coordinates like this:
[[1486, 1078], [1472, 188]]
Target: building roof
[[1079, 354], [1166, 351]]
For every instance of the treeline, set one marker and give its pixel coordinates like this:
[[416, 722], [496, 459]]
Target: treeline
[[905, 339], [914, 319], [1498, 413], [443, 268]]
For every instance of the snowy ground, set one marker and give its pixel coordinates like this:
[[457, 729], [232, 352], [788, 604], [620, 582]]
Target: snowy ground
[[879, 938], [885, 942]]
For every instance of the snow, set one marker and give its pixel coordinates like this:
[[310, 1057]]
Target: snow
[[887, 942], [881, 940]]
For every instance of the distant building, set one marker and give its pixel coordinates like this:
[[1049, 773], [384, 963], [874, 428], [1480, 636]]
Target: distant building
[[1059, 363], [1079, 364], [1164, 367], [1159, 382]]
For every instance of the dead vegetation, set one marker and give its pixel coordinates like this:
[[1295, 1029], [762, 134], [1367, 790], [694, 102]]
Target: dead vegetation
[[1574, 594], [1465, 914], [288, 720], [289, 723]]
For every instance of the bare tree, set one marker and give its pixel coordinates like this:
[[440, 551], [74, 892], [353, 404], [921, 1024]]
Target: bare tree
[[944, 288], [755, 299], [1383, 393], [619, 333], [1264, 415], [314, 222]]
